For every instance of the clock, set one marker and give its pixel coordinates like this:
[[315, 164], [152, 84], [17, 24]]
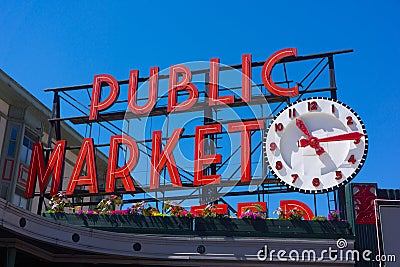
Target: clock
[[316, 145]]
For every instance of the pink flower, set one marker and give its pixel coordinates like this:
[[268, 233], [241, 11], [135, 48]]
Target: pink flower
[[334, 215], [118, 212], [251, 214]]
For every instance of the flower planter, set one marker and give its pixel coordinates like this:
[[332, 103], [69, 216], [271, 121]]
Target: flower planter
[[128, 223], [169, 225], [271, 228]]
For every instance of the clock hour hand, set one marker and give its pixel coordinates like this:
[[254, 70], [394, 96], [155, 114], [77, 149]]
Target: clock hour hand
[[342, 137], [300, 124], [312, 141]]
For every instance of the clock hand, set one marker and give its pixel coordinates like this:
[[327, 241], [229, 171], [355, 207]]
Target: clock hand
[[342, 137], [300, 124], [311, 140]]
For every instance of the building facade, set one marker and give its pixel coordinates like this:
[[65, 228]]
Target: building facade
[[24, 121]]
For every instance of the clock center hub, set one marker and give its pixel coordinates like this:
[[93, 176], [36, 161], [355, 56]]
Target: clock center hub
[[314, 142]]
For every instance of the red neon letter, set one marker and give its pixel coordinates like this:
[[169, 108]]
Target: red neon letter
[[153, 91], [184, 84], [200, 159], [267, 75], [214, 99], [246, 78], [288, 205], [160, 159], [253, 206], [85, 154], [245, 128], [36, 168], [95, 106], [123, 172]]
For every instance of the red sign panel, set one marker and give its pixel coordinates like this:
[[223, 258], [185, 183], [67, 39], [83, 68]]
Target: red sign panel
[[363, 197]]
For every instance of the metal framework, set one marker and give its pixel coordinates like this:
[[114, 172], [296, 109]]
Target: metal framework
[[318, 65]]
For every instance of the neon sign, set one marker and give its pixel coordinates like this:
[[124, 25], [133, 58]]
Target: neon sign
[[180, 80]]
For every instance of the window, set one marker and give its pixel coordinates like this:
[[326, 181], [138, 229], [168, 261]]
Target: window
[[26, 150], [3, 126], [13, 141], [20, 201]]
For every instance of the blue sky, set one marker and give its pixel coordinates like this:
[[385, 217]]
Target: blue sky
[[61, 43]]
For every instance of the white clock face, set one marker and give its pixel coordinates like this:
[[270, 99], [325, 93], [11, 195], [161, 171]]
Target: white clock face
[[316, 145]]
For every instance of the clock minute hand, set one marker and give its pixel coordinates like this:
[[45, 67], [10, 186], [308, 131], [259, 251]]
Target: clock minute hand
[[342, 137]]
